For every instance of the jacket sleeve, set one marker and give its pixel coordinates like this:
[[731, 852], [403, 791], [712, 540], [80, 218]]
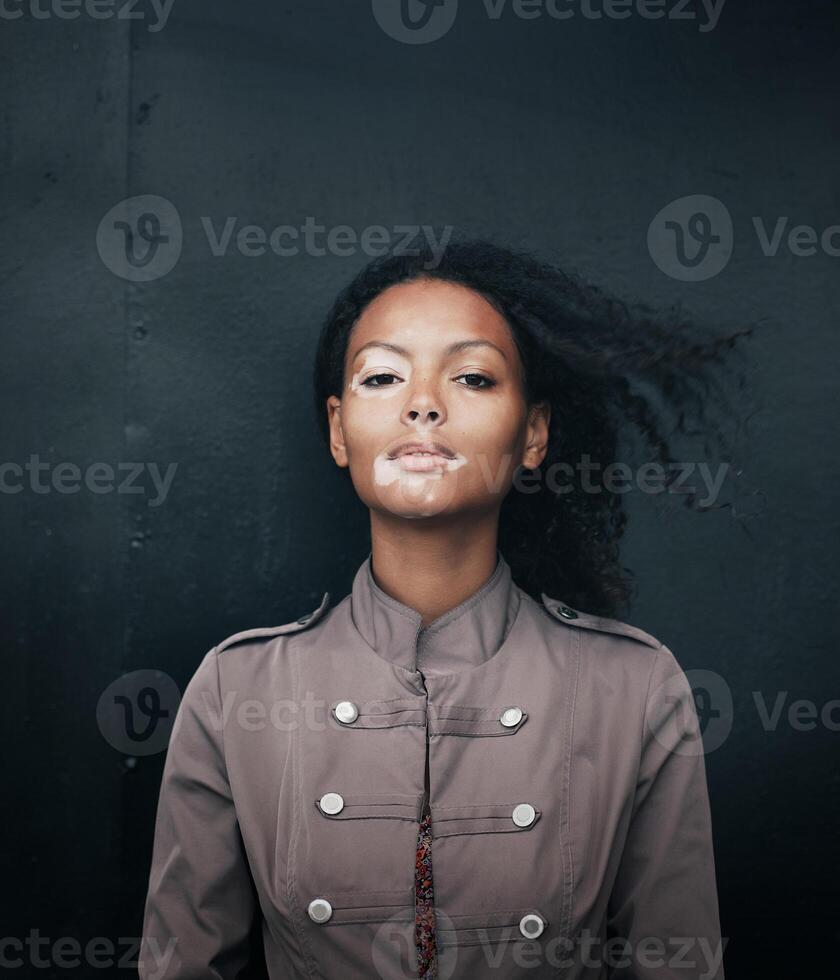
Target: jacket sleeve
[[664, 903], [201, 902]]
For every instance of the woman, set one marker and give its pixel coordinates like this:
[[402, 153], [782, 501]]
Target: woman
[[452, 772]]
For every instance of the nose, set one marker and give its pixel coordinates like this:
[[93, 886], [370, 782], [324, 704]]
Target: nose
[[423, 404], [421, 415]]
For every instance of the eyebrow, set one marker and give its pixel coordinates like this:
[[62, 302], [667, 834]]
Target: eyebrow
[[455, 348]]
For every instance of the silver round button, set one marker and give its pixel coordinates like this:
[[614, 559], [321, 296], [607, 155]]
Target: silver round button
[[346, 712], [567, 612], [524, 815], [511, 717], [531, 926], [332, 802], [320, 910]]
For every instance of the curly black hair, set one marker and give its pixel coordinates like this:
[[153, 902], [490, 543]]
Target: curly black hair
[[607, 371]]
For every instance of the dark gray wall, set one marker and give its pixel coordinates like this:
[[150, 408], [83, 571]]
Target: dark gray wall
[[566, 137]]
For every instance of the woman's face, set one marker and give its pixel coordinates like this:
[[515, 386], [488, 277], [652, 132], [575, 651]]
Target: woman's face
[[433, 362]]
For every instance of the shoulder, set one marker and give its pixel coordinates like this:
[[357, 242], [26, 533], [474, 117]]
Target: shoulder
[[304, 622], [561, 612], [650, 675]]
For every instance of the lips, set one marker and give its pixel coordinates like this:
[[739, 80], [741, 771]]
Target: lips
[[431, 448]]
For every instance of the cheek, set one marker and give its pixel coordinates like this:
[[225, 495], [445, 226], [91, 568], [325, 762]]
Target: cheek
[[492, 436], [368, 416]]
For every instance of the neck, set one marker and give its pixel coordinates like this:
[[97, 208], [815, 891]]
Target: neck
[[431, 565]]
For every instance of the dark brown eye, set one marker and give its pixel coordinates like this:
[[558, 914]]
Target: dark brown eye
[[374, 377], [488, 382]]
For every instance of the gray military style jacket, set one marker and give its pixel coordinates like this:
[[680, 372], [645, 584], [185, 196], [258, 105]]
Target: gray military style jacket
[[567, 788]]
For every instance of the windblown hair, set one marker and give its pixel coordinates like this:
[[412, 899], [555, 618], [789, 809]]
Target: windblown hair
[[607, 371]]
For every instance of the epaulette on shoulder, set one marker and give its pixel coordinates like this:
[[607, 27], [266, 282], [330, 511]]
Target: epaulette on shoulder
[[305, 621], [573, 617]]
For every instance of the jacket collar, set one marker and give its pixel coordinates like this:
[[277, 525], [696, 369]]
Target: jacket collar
[[463, 637]]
